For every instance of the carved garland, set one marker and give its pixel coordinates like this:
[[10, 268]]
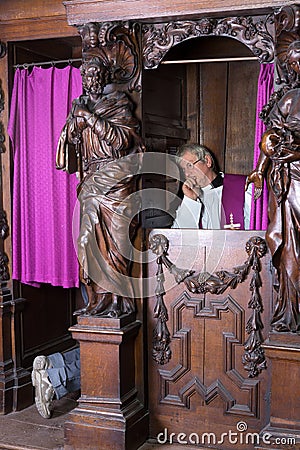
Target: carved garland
[[253, 358], [257, 33], [159, 244]]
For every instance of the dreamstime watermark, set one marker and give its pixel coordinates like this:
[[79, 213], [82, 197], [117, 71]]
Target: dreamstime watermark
[[240, 436], [107, 194]]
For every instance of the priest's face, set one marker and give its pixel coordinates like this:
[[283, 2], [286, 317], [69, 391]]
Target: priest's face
[[199, 172]]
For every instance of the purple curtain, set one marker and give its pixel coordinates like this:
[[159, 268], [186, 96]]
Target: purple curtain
[[259, 209], [43, 197]]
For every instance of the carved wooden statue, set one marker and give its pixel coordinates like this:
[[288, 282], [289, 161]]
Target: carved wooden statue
[[101, 136], [280, 162]]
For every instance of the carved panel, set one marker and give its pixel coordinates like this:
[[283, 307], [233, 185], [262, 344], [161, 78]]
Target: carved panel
[[206, 376], [257, 33], [191, 383], [216, 283]]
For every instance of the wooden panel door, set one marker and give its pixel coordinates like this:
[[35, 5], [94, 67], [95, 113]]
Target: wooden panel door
[[205, 388]]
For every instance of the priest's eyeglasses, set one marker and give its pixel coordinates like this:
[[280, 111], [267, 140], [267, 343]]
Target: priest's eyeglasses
[[189, 165]]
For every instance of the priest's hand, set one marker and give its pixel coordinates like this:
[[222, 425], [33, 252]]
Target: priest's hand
[[191, 189]]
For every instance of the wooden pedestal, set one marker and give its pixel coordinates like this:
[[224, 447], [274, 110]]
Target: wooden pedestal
[[283, 353], [109, 415]]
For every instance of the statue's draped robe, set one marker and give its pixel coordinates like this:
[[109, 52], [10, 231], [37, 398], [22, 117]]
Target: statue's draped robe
[[108, 203], [283, 234]]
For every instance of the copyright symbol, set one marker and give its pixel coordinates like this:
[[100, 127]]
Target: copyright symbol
[[241, 426]]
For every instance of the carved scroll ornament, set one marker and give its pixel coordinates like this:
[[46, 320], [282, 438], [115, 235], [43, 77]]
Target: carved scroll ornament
[[117, 46], [217, 283], [255, 33]]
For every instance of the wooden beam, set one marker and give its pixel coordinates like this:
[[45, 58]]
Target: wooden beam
[[83, 11]]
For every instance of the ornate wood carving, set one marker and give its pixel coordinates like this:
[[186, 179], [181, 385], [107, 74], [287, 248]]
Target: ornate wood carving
[[3, 225], [257, 33], [216, 283], [4, 272], [159, 244], [254, 357], [99, 140], [117, 45], [279, 162], [161, 336], [4, 229]]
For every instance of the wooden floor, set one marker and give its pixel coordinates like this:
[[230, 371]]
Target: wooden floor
[[27, 430]]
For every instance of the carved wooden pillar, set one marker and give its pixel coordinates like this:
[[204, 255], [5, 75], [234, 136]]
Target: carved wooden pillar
[[110, 414]]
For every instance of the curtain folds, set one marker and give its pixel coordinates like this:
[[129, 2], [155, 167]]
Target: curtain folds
[[259, 208], [43, 197]]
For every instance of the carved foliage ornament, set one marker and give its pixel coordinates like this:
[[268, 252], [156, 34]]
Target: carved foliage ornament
[[117, 46], [4, 272], [257, 33], [217, 283], [159, 244]]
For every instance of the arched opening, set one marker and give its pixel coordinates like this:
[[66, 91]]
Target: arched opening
[[203, 91]]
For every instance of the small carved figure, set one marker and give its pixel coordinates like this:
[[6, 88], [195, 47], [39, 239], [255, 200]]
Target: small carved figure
[[280, 163], [102, 132]]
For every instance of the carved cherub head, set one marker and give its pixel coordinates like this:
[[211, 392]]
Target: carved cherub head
[[95, 75], [89, 34]]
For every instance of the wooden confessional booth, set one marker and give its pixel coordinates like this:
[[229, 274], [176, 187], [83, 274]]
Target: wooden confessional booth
[[199, 363]]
